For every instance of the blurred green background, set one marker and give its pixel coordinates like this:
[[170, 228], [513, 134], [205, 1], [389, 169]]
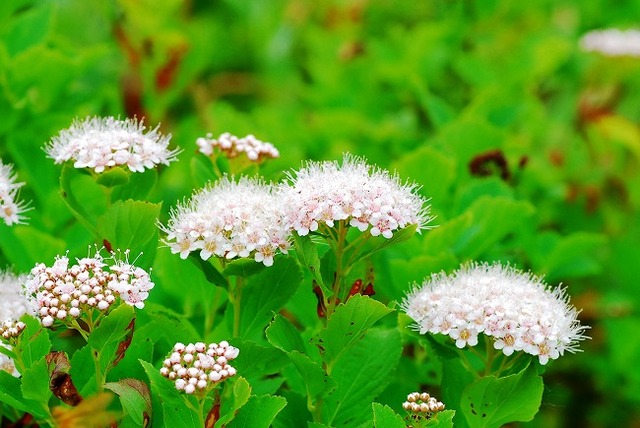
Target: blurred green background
[[528, 147]]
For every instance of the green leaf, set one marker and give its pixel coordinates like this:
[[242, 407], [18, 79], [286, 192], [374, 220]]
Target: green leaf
[[492, 402], [308, 256], [113, 177], [24, 246], [282, 334], [11, 393], [162, 324], [262, 365], [135, 398], [385, 417], [113, 330], [442, 419], [202, 171], [266, 293], [348, 324], [70, 180], [29, 28], [380, 242], [232, 399], [83, 370], [138, 186], [360, 374], [258, 412], [295, 413], [131, 225], [175, 411], [243, 267], [212, 274], [33, 343], [315, 379], [35, 382]]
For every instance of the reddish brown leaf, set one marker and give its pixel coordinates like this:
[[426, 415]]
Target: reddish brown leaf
[[124, 345], [60, 382]]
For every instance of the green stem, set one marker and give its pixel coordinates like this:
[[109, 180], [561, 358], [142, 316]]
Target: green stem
[[464, 360], [338, 246]]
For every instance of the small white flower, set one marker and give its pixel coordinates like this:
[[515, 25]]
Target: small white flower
[[192, 366], [101, 143], [612, 42], [232, 146], [364, 196], [11, 209], [230, 219], [516, 309], [7, 364], [13, 305]]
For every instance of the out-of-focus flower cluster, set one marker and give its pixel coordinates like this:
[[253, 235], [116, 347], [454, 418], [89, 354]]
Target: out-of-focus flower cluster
[[198, 366], [231, 219], [232, 146], [422, 403], [366, 197], [516, 309], [7, 364], [63, 292], [100, 143], [11, 210], [13, 304], [612, 42]]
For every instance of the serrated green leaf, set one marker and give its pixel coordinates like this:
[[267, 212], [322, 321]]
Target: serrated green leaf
[[261, 365], [491, 402], [385, 417], [315, 379], [380, 242], [348, 324], [232, 399], [138, 186], [110, 333], [74, 184], [360, 374], [259, 412], [35, 382], [33, 343], [131, 225], [135, 399], [443, 419], [308, 255], [175, 411], [11, 393], [83, 371], [283, 335], [266, 293]]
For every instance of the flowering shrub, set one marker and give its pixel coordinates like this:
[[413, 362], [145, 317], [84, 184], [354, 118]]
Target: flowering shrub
[[235, 282]]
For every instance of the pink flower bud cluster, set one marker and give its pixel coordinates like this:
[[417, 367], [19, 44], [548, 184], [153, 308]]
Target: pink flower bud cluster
[[63, 292], [231, 219], [101, 143], [13, 304], [198, 366], [232, 146], [422, 403], [11, 210], [515, 309], [366, 197]]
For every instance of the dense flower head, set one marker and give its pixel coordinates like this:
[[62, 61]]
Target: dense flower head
[[100, 143], [514, 308], [65, 291], [13, 305], [199, 366], [232, 146], [612, 42], [11, 209], [230, 219], [6, 363], [422, 402], [365, 196]]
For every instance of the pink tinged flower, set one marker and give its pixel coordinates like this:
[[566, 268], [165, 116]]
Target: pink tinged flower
[[232, 146], [11, 209], [102, 143], [364, 196], [230, 219], [516, 309]]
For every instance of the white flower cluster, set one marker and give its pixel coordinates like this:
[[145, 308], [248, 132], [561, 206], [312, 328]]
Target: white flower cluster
[[516, 309], [232, 146], [612, 42], [62, 291], [422, 403], [367, 197], [13, 304], [199, 366], [11, 209], [101, 143], [231, 219], [7, 364]]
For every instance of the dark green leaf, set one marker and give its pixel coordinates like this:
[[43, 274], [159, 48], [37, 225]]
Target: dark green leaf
[[232, 399], [283, 335], [212, 274], [243, 268], [110, 333], [385, 417], [113, 177], [308, 255], [258, 412]]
